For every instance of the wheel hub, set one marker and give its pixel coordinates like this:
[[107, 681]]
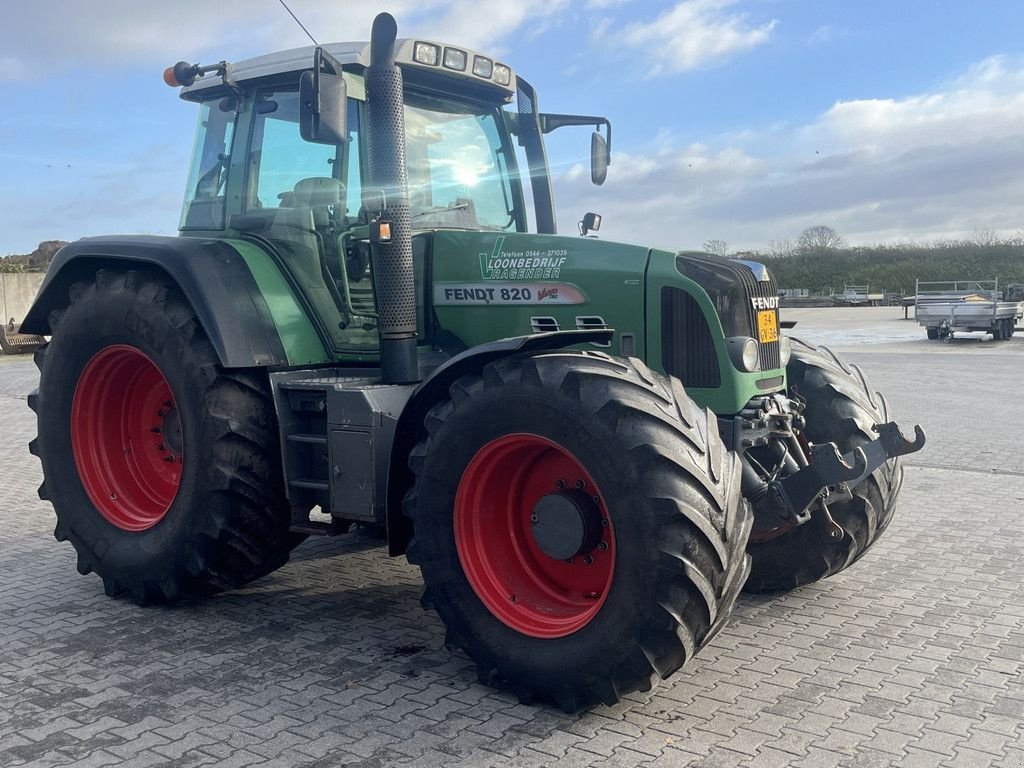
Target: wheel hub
[[171, 429], [566, 524]]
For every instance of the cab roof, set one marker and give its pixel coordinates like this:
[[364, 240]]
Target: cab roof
[[355, 56]]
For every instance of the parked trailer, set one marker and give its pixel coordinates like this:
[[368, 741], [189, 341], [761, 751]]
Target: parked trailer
[[859, 296], [967, 305]]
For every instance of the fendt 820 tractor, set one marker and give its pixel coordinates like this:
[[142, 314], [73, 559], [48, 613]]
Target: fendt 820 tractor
[[588, 448]]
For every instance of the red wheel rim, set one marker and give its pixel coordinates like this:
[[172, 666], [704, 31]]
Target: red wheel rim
[[523, 587], [126, 438]]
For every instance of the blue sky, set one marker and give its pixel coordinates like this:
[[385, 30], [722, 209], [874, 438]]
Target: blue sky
[[742, 120]]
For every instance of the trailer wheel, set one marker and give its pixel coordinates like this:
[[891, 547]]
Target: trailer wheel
[[933, 334], [578, 524], [841, 408], [162, 467]]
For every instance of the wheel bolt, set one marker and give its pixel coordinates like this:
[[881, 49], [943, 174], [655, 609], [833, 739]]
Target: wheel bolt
[[169, 459], [169, 403], [604, 522], [514, 599], [560, 484], [588, 560], [579, 484], [603, 545], [597, 499], [533, 518]]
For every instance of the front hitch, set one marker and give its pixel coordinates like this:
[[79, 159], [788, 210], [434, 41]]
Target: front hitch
[[830, 477]]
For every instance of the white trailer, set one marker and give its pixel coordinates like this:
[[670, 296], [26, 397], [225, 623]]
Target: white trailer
[[966, 305], [859, 296]]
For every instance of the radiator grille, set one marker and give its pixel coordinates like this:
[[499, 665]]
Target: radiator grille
[[770, 356]]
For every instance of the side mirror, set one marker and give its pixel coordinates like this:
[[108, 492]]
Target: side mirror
[[598, 158], [591, 223], [323, 104]]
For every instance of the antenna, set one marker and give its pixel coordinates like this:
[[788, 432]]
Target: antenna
[[298, 22]]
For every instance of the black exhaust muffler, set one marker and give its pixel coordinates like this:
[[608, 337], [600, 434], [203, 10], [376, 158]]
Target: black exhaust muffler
[[394, 283]]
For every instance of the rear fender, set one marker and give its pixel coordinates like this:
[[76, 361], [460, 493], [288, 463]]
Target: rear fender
[[212, 275], [409, 430]]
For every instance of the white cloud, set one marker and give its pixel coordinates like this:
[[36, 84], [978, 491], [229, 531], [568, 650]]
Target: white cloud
[[127, 32], [931, 165], [826, 34], [482, 24], [694, 34], [12, 69]]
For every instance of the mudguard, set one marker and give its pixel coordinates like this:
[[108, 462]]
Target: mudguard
[[435, 387], [213, 276]]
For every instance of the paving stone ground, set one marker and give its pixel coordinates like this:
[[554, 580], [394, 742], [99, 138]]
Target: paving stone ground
[[914, 657]]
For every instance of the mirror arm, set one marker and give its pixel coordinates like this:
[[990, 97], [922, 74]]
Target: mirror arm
[[552, 122]]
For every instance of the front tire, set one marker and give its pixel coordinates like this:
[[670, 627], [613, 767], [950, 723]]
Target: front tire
[[841, 408], [644, 553], [162, 468]]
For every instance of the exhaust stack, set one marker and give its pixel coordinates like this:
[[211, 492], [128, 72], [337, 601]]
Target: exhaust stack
[[394, 283]]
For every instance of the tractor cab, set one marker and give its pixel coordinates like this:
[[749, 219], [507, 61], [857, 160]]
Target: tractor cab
[[307, 201]]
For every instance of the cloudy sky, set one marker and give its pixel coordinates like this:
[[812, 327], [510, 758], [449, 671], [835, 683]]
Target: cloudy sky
[[741, 120]]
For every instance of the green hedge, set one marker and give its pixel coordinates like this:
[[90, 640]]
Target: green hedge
[[896, 267]]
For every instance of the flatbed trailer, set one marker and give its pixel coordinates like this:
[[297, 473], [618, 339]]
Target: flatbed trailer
[[944, 308], [859, 296]]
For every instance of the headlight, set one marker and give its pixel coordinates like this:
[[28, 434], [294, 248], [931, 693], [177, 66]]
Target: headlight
[[455, 59], [502, 74], [744, 352], [785, 350], [483, 67], [426, 53]]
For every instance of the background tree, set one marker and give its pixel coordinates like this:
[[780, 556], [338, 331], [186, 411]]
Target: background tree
[[780, 249], [818, 239], [717, 247]]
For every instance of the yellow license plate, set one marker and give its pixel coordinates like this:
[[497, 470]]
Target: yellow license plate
[[767, 326]]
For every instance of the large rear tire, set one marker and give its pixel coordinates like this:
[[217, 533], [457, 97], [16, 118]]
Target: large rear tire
[[841, 408], [163, 468], [599, 454]]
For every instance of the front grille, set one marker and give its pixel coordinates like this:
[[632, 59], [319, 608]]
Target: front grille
[[770, 355], [687, 349]]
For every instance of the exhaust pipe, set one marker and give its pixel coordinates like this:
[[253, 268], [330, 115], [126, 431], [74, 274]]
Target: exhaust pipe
[[394, 283]]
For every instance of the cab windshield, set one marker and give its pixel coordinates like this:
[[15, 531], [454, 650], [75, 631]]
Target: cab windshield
[[458, 167]]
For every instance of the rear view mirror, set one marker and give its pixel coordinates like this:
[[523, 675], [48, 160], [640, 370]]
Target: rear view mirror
[[600, 146], [323, 104], [598, 158]]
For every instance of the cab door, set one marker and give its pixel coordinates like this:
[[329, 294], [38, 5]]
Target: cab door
[[301, 202]]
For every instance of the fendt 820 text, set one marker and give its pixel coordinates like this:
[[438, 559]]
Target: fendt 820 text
[[589, 448]]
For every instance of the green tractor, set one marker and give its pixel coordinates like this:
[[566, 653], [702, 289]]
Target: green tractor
[[589, 448]]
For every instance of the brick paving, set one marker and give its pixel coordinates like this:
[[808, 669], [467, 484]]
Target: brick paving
[[911, 658]]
